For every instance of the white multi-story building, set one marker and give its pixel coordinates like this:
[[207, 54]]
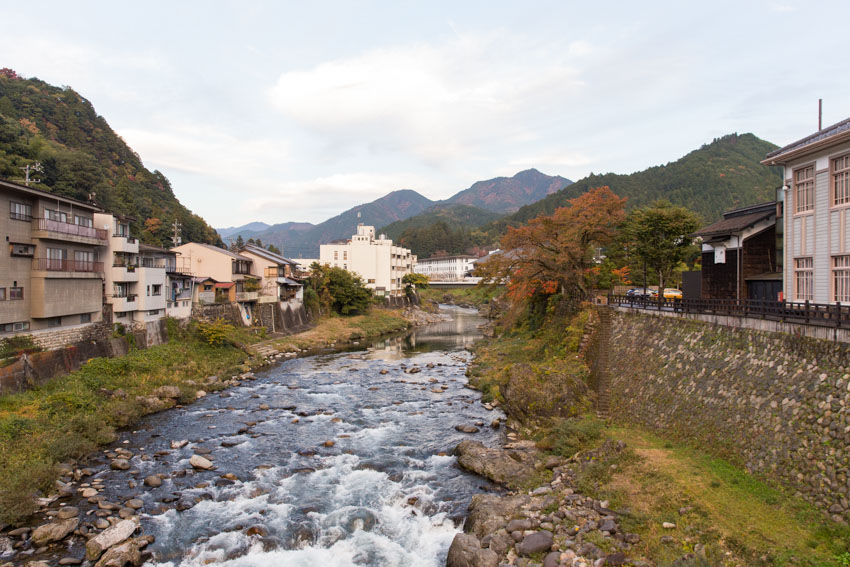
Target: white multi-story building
[[815, 219], [446, 268], [381, 265]]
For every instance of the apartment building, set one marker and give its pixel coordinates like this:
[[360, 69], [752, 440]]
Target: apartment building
[[446, 268], [815, 215], [231, 272], [275, 274], [50, 267], [381, 265]]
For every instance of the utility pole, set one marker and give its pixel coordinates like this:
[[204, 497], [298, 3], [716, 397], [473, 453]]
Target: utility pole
[[35, 168], [176, 239]]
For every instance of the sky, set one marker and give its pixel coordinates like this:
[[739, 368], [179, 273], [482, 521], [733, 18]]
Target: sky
[[297, 111]]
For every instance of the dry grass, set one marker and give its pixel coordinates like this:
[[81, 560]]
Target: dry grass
[[336, 330]]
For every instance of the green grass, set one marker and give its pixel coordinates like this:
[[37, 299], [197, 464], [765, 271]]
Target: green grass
[[734, 517], [474, 295]]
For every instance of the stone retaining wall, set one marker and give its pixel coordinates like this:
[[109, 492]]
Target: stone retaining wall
[[776, 403], [58, 338]]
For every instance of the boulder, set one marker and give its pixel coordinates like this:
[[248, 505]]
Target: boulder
[[171, 392], [466, 551], [201, 463], [153, 481], [552, 559], [127, 554], [498, 465], [109, 538], [179, 444], [119, 464], [489, 512], [536, 542], [54, 531], [467, 428], [67, 512]]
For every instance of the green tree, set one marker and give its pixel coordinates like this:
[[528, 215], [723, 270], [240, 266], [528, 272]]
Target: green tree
[[274, 249], [339, 290], [660, 235]]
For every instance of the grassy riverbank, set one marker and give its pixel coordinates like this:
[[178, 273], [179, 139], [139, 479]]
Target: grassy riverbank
[[722, 514], [72, 416]]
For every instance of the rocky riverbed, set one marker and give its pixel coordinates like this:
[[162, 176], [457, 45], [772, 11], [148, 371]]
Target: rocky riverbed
[[341, 458]]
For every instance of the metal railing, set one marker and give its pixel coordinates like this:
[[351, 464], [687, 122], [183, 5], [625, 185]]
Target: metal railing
[[54, 265], [72, 229], [807, 313]]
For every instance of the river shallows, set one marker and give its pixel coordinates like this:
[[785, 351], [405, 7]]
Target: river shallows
[[349, 465]]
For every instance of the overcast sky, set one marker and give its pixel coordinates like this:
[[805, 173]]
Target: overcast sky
[[296, 111]]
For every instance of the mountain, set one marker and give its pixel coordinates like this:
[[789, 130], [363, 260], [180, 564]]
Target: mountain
[[82, 157], [301, 240], [443, 227], [508, 194], [717, 177], [251, 227]]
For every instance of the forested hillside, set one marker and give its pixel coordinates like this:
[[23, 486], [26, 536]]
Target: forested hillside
[[717, 177], [446, 228], [81, 157]]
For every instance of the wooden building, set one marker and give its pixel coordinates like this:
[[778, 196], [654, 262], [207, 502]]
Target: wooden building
[[739, 255]]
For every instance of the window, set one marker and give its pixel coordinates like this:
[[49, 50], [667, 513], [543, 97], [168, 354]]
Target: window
[[841, 278], [56, 258], [20, 211], [149, 291], [153, 312], [85, 318], [804, 278], [53, 322], [16, 293], [804, 189], [15, 327], [841, 180], [83, 221], [157, 289], [336, 254], [2, 294], [121, 314], [83, 260], [60, 216], [345, 254]]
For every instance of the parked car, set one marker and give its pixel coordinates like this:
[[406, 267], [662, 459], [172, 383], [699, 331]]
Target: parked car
[[639, 293], [672, 293]]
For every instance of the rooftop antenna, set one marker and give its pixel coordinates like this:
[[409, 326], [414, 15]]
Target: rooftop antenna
[[820, 114], [176, 239]]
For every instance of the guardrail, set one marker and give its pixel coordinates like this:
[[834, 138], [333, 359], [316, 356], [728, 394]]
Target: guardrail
[[52, 265], [50, 225], [807, 313]]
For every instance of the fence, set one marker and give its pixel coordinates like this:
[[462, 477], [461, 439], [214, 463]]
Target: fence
[[821, 314]]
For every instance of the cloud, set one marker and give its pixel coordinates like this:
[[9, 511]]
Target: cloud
[[436, 101], [784, 8]]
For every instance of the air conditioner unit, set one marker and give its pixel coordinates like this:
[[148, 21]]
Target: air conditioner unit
[[23, 249]]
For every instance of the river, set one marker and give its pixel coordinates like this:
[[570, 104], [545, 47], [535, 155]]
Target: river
[[350, 464]]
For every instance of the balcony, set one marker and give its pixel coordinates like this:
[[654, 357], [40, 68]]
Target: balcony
[[124, 302], [247, 295], [124, 243], [58, 230], [124, 272], [67, 268]]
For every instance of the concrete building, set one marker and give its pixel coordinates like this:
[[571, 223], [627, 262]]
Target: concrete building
[[178, 278], [815, 216], [50, 269], [446, 268], [275, 274], [381, 265]]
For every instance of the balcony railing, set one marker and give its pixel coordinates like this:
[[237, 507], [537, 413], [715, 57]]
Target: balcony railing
[[128, 296], [52, 265], [72, 229], [130, 265]]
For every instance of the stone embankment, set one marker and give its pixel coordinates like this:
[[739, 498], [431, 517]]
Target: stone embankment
[[549, 523], [776, 403]]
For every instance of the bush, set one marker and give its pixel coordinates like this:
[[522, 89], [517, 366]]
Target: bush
[[573, 435], [17, 345], [214, 332]]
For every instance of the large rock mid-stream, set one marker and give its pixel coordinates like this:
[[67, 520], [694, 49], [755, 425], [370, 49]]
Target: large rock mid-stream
[[509, 468]]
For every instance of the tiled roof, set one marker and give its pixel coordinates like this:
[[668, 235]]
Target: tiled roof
[[827, 132], [733, 224], [268, 255], [223, 251]]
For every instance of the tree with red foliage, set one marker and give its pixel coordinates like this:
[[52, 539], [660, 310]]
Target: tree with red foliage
[[555, 253], [9, 74]]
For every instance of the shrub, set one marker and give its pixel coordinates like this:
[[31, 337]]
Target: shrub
[[15, 346], [214, 332], [572, 435]]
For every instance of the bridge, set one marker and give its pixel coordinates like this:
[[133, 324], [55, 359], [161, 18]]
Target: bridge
[[454, 284]]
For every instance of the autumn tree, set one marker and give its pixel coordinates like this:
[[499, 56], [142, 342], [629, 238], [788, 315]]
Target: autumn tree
[[555, 253], [660, 235]]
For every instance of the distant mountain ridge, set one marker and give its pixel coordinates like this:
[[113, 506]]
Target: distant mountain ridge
[[717, 177], [508, 194], [485, 201]]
